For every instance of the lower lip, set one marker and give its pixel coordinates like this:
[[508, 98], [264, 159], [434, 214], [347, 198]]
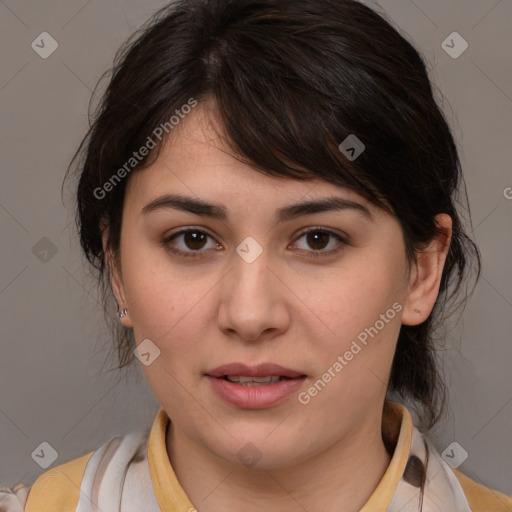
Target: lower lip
[[255, 397]]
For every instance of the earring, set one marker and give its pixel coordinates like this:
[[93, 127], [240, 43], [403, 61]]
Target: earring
[[122, 313]]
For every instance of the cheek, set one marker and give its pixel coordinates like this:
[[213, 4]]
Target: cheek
[[165, 308], [167, 305], [360, 309], [357, 296]]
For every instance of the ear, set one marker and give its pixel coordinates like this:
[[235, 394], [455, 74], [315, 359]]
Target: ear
[[116, 279], [426, 273]]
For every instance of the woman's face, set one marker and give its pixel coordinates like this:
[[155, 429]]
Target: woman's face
[[248, 286]]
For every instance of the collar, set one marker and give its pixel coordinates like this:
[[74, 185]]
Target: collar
[[168, 491]]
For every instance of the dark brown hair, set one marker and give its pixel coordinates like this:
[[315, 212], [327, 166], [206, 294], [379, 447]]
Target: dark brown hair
[[291, 81]]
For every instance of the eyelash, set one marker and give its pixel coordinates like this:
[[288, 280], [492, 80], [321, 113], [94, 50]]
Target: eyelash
[[310, 254]]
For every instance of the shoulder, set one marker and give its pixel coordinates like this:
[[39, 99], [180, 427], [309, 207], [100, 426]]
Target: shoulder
[[481, 498], [57, 487]]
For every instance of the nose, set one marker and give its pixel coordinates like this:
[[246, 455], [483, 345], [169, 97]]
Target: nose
[[253, 304]]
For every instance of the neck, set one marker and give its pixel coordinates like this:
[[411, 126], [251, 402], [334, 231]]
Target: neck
[[343, 477]]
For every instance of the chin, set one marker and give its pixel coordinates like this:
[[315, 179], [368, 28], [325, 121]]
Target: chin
[[256, 450]]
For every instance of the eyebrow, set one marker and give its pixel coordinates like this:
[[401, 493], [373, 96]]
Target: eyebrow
[[283, 214]]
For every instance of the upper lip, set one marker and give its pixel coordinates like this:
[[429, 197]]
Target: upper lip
[[259, 370]]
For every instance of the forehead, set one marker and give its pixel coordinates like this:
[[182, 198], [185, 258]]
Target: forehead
[[196, 161]]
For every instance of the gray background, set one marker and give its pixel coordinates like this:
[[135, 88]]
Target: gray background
[[53, 339]]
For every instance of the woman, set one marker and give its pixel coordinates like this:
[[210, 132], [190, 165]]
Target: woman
[[268, 193]]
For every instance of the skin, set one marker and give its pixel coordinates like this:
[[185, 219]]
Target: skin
[[284, 307]]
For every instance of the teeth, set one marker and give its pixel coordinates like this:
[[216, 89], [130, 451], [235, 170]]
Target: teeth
[[253, 381]]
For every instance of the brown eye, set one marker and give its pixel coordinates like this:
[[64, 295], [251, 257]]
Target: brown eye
[[318, 240], [194, 239], [189, 243]]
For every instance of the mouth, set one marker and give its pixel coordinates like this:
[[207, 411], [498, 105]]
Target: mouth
[[265, 373], [243, 380], [254, 387]]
